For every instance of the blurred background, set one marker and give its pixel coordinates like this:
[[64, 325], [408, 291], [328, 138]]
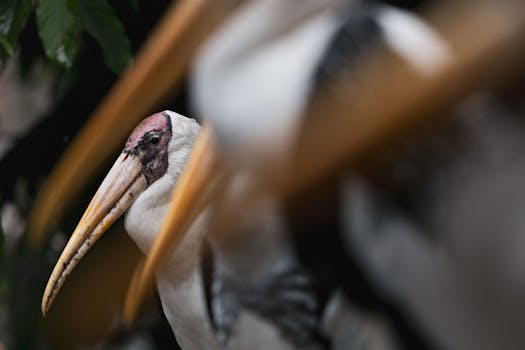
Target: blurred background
[[428, 232]]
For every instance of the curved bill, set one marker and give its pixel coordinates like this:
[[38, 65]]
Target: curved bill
[[117, 192]]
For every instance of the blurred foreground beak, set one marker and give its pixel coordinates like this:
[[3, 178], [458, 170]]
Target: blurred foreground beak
[[117, 192]]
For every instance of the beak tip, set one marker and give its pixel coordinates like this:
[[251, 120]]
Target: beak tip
[[47, 301], [44, 309]]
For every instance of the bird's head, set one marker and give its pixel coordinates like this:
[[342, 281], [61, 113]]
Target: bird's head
[[148, 144], [145, 172]]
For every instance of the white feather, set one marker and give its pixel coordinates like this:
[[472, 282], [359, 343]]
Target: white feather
[[252, 78]]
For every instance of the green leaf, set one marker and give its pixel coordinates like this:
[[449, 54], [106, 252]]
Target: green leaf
[[13, 14], [58, 30], [99, 20]]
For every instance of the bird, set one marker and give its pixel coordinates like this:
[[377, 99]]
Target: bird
[[140, 182], [258, 73]]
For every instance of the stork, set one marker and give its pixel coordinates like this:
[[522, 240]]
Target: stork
[[141, 181], [257, 74]]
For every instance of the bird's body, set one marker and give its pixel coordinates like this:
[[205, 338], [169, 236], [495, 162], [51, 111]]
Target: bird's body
[[242, 278], [287, 36], [257, 74], [257, 279], [180, 282], [243, 302]]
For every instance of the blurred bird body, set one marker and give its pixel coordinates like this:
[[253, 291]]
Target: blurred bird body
[[261, 57], [256, 75]]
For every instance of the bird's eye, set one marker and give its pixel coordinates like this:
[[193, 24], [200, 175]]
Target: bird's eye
[[154, 139]]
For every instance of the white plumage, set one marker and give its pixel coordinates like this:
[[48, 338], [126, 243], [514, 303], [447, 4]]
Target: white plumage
[[255, 76]]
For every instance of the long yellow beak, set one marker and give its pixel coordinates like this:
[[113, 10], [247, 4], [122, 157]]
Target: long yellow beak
[[117, 192]]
